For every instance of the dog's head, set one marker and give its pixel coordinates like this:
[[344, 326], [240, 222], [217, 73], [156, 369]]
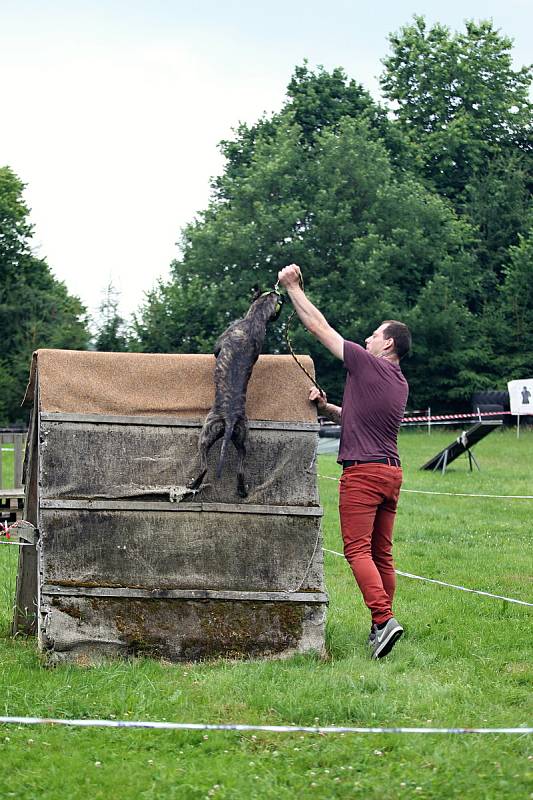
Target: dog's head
[[270, 303]]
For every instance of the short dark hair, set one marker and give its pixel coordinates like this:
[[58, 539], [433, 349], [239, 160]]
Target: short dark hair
[[401, 335]]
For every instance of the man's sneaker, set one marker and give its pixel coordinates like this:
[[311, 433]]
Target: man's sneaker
[[385, 638]]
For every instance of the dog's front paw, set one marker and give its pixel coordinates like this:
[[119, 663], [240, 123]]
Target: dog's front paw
[[242, 490]]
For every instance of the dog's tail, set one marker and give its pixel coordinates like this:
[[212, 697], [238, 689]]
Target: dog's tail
[[228, 433]]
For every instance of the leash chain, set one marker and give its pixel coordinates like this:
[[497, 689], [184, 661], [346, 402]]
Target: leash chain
[[289, 345]]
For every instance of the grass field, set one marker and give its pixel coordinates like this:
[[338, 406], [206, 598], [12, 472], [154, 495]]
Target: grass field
[[465, 660], [8, 460]]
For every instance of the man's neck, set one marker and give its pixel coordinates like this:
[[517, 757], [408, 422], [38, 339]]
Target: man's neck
[[392, 357]]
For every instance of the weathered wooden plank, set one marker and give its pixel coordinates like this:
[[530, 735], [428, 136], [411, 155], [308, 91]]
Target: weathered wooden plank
[[157, 550], [19, 444], [184, 594], [6, 494], [33, 423], [85, 630], [171, 422], [26, 593], [155, 462], [144, 505]]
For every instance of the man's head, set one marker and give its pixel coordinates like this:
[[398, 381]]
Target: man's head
[[391, 340]]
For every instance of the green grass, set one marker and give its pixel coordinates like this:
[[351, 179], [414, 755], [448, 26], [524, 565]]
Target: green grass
[[8, 554], [464, 661], [7, 454]]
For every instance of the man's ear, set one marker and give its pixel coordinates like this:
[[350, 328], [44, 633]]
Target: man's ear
[[389, 343]]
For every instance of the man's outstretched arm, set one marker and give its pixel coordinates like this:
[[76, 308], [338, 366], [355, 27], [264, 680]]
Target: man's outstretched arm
[[310, 316]]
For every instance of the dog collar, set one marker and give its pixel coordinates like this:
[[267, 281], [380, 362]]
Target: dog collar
[[279, 302]]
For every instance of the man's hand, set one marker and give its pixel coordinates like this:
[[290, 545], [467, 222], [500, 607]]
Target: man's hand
[[334, 413], [319, 398], [290, 277]]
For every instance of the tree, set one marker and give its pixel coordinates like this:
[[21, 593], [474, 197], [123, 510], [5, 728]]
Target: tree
[[15, 228], [459, 97], [36, 310], [517, 306], [322, 100], [448, 363], [414, 217], [497, 201], [339, 207], [111, 332], [237, 243], [316, 101]]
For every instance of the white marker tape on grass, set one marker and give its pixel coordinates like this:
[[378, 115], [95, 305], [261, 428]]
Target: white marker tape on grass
[[464, 494], [464, 588], [199, 726], [454, 494], [450, 585]]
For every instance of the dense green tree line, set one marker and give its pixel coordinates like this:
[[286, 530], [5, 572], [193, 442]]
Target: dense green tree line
[[417, 212], [36, 310]]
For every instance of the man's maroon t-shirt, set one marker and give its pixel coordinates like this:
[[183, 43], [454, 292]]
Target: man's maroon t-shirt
[[373, 405]]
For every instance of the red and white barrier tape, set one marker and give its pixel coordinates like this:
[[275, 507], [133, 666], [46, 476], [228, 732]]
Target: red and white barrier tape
[[200, 726], [456, 416], [5, 530]]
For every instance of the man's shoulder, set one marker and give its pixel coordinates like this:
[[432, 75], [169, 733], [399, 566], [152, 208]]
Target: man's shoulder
[[354, 354], [358, 358]]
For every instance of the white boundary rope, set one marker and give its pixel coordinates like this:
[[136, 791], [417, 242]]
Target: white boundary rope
[[443, 583], [200, 726], [453, 494], [464, 494], [18, 544]]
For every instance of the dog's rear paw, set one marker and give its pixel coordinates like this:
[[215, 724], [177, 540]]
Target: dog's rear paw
[[242, 491], [191, 492]]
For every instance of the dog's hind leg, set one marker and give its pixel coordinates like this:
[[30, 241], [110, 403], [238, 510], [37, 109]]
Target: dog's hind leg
[[212, 431], [238, 437]]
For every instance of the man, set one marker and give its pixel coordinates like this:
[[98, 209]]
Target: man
[[373, 405]]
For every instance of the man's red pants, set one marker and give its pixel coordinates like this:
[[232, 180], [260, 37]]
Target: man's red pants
[[368, 498]]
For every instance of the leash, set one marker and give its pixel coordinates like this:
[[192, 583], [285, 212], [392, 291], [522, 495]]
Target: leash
[[288, 340]]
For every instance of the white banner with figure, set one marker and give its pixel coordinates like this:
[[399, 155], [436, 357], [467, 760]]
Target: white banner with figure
[[521, 396]]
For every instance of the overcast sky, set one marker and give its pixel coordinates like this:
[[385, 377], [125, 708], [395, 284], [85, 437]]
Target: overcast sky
[[112, 111]]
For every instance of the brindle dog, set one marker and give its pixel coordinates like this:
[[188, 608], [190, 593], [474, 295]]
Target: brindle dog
[[236, 351]]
